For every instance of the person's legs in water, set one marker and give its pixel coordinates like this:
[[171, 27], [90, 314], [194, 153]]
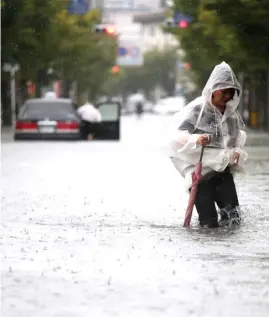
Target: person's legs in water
[[86, 130], [139, 109], [226, 198], [205, 204], [83, 129]]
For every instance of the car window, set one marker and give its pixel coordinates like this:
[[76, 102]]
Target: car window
[[41, 110], [109, 111]]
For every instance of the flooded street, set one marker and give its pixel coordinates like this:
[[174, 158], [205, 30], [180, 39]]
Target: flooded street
[[95, 229]]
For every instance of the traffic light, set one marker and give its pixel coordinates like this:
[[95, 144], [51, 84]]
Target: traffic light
[[110, 30], [183, 24], [105, 29], [179, 20], [115, 69]]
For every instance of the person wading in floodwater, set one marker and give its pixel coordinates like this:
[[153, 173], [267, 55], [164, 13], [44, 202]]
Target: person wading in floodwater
[[212, 120]]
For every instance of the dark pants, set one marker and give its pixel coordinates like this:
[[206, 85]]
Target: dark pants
[[139, 108], [219, 188], [88, 128]]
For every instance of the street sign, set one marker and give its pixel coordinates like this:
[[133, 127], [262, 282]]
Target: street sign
[[78, 7], [129, 54], [180, 64], [118, 5], [178, 17]]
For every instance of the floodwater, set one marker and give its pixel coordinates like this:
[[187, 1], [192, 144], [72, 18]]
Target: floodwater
[[95, 229]]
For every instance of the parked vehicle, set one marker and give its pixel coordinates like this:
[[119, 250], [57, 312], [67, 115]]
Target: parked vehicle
[[46, 118], [169, 105], [109, 127]]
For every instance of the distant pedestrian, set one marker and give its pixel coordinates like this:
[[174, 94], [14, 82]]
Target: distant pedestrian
[[89, 115]]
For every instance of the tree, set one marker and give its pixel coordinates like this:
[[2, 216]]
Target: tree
[[41, 34], [159, 69], [235, 31], [246, 27], [215, 34], [83, 56]]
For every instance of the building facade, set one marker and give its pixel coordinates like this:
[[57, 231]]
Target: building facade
[[152, 34], [139, 21]]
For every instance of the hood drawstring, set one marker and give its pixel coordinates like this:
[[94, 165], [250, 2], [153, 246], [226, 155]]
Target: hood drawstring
[[216, 120], [240, 118]]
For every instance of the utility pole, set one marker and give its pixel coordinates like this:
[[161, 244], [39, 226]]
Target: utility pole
[[12, 69], [266, 110], [101, 7]]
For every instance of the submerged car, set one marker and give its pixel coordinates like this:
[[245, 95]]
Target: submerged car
[[48, 119]]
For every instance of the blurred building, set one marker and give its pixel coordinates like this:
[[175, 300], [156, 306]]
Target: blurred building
[[120, 13], [138, 20], [151, 31]]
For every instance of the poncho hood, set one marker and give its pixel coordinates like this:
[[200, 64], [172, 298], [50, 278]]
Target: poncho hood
[[223, 77]]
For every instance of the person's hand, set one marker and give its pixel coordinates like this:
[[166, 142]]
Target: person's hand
[[204, 139], [235, 158]]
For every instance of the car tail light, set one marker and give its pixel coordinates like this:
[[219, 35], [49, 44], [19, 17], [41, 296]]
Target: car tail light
[[21, 125], [67, 125]]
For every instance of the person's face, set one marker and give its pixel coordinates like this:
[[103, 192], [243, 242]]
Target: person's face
[[222, 96]]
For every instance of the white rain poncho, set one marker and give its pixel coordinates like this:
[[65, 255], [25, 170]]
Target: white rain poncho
[[201, 117], [89, 113]]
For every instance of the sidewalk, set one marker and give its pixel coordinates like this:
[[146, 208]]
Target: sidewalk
[[257, 138]]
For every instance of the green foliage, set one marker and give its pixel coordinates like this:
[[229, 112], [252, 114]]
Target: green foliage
[[159, 69], [236, 31], [40, 34]]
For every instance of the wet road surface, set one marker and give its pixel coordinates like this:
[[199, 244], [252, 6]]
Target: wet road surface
[[95, 229]]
